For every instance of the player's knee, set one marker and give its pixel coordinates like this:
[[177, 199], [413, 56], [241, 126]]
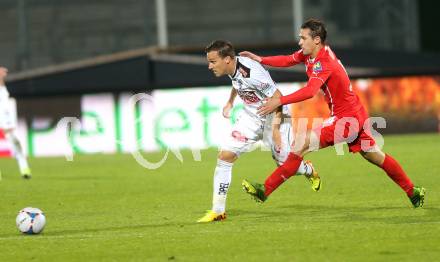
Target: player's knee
[[373, 157], [305, 147], [227, 156], [301, 151]]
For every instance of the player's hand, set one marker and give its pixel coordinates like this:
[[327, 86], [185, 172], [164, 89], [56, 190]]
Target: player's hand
[[3, 72], [227, 110], [251, 56], [276, 138], [271, 105]]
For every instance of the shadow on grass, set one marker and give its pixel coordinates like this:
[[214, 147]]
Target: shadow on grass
[[382, 214], [79, 231], [328, 214]]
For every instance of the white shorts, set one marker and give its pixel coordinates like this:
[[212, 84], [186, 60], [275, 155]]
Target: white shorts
[[248, 130], [8, 111]]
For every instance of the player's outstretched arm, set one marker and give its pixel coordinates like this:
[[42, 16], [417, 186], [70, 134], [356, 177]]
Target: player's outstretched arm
[[230, 104], [251, 56], [270, 106], [303, 94], [278, 60], [310, 90]]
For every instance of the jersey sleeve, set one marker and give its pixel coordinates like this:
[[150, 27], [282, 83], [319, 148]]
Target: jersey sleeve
[[284, 60], [321, 72]]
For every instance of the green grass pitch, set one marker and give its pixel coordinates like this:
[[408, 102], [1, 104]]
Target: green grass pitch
[[107, 207]]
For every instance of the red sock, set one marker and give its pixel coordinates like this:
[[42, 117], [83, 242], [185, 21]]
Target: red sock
[[282, 173], [396, 173]]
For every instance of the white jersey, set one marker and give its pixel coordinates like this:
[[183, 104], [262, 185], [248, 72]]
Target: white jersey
[[253, 84], [4, 95], [8, 112]]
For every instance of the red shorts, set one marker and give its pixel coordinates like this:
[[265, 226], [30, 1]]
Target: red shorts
[[351, 130]]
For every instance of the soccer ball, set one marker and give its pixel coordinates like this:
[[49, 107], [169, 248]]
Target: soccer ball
[[30, 220]]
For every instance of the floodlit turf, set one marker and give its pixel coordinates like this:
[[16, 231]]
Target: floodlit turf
[[107, 207]]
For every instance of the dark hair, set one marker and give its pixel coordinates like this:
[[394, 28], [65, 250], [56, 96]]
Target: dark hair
[[224, 48], [317, 28]]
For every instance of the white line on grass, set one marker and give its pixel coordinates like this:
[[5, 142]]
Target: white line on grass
[[76, 236]]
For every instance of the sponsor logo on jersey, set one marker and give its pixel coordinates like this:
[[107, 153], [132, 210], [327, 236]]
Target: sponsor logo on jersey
[[249, 97], [317, 67], [244, 71]]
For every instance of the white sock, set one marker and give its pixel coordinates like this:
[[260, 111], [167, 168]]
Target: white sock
[[18, 152], [222, 181], [304, 169]]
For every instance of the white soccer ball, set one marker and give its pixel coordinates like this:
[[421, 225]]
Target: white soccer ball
[[30, 220]]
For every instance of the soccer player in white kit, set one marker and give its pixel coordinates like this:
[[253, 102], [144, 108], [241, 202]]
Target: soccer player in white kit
[[252, 83], [8, 123]]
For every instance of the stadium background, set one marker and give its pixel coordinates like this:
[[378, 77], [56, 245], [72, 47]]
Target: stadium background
[[85, 59], [70, 61]]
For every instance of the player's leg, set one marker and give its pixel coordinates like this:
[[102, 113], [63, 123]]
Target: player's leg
[[290, 166], [18, 153], [367, 147], [280, 154], [243, 136], [396, 173], [282, 173], [222, 180], [8, 122], [313, 140], [221, 183]]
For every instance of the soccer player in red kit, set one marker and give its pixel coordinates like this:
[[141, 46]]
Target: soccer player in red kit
[[348, 122]]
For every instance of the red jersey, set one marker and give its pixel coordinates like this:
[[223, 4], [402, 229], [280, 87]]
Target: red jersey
[[325, 72]]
